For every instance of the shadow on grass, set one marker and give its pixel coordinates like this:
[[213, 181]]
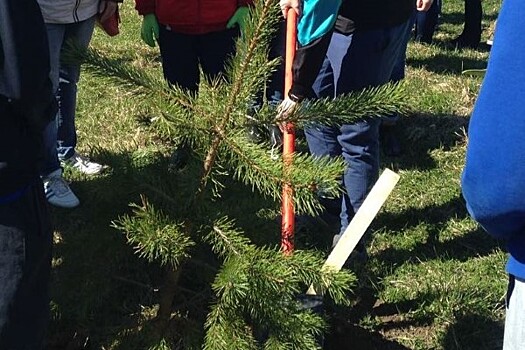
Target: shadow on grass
[[346, 329], [103, 294], [471, 244], [99, 283], [473, 332], [351, 336], [420, 134], [458, 18], [452, 62]]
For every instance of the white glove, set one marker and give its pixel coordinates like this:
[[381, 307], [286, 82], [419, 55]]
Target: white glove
[[286, 108], [288, 4]]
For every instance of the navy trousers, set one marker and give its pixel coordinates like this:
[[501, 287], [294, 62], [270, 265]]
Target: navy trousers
[[354, 62], [182, 54]]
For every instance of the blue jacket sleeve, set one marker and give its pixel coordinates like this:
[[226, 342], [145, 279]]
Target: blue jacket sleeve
[[493, 181]]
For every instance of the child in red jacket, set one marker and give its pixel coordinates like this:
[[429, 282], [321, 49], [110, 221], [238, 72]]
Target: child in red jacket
[[192, 32]]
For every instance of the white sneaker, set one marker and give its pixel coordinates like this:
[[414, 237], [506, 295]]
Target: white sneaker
[[84, 165], [58, 192]]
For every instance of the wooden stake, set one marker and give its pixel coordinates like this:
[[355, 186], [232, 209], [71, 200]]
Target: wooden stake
[[359, 224]]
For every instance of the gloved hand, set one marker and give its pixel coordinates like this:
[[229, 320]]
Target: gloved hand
[[287, 107], [239, 18], [150, 29], [286, 5]]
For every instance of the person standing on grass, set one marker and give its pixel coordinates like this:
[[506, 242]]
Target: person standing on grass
[[27, 104], [493, 181], [67, 21], [346, 46], [192, 33]]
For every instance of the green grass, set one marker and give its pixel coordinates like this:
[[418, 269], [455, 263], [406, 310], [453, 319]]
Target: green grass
[[435, 280]]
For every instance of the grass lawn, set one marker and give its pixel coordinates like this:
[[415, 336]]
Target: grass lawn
[[434, 280]]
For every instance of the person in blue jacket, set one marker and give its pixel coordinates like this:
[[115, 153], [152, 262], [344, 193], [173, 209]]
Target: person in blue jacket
[[493, 181]]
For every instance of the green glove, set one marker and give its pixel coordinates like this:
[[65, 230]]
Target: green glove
[[150, 29], [239, 18]]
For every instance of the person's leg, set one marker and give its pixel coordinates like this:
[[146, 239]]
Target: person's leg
[[214, 51], [80, 34], [25, 265], [56, 188], [471, 35], [50, 162], [322, 140], [426, 23], [514, 337], [473, 15], [389, 141], [368, 62], [180, 63]]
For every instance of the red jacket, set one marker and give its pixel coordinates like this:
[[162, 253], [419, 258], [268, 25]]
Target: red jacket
[[192, 16]]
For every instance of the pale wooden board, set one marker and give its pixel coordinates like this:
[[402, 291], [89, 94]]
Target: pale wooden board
[[359, 224]]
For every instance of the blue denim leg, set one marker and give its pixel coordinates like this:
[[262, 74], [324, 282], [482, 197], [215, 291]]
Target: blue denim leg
[[398, 72], [426, 23], [322, 141], [353, 63], [50, 160], [65, 78], [50, 163], [183, 53]]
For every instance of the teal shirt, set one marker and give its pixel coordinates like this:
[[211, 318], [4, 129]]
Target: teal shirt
[[318, 18]]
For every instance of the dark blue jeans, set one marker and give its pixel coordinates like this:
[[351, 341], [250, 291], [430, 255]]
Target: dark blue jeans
[[25, 265], [183, 53], [354, 62], [426, 22]]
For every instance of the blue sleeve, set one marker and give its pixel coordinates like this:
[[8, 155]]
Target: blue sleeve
[[318, 19], [493, 181]]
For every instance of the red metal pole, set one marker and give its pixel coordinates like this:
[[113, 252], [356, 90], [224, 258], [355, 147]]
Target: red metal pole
[[287, 210]]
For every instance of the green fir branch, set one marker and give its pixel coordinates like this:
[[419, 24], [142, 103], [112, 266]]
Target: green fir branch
[[372, 102], [154, 236], [261, 285]]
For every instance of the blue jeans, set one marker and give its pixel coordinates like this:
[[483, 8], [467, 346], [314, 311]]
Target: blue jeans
[[60, 137], [398, 72], [183, 53], [25, 266], [355, 62], [514, 338]]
